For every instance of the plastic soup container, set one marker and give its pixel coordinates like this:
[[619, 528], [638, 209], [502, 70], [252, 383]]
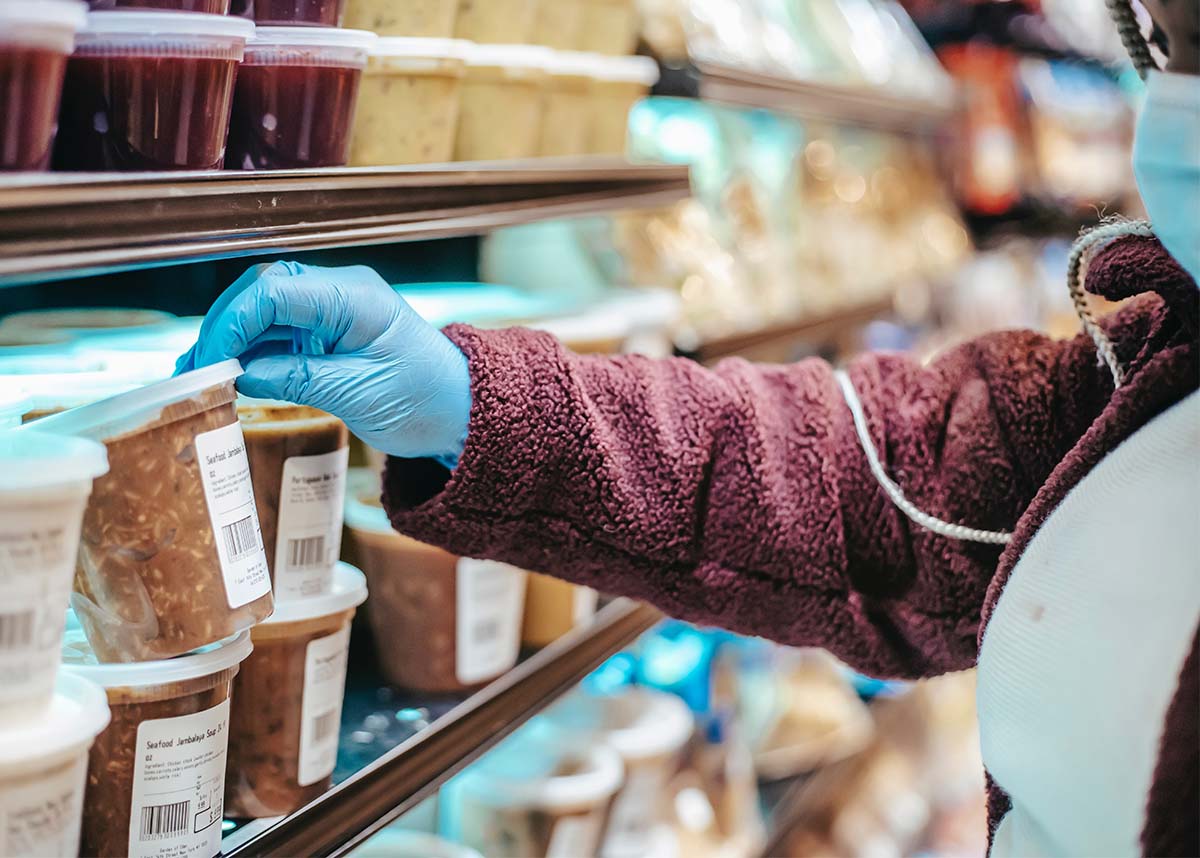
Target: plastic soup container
[[429, 19], [156, 776], [35, 40], [55, 392], [171, 557], [617, 84], [408, 102], [43, 769], [608, 27], [45, 481], [566, 104], [208, 7], [287, 702], [293, 104], [441, 623], [500, 116], [541, 801], [298, 459], [149, 90], [316, 13], [495, 21], [557, 24], [553, 608]]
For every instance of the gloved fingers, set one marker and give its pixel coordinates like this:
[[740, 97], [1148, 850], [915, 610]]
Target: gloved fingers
[[303, 379]]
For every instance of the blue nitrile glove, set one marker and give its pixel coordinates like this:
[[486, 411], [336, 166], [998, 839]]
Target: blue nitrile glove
[[368, 358]]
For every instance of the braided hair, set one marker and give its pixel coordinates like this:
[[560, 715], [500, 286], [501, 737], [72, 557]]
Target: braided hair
[[1130, 31]]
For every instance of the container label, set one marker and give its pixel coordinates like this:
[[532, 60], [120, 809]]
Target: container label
[[37, 562], [179, 785], [490, 597], [225, 472], [312, 493], [41, 815], [635, 809], [574, 836], [321, 707]]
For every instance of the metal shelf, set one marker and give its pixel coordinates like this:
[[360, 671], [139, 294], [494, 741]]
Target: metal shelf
[[58, 224], [374, 796]]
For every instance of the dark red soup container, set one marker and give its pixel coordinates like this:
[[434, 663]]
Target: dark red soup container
[[294, 100], [36, 37], [312, 13], [149, 90], [208, 7]]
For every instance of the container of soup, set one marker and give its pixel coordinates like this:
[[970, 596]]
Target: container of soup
[[283, 13], [35, 40], [557, 24], [408, 102], [553, 608], [149, 90], [171, 556], [496, 21], [618, 83], [566, 104], [608, 27], [423, 19], [294, 101], [501, 111], [207, 7], [287, 702]]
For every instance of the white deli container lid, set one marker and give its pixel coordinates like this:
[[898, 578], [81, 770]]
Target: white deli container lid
[[35, 460], [506, 56], [577, 63], [52, 23], [641, 70], [127, 411], [79, 660], [314, 37], [71, 389], [639, 723], [521, 775], [420, 48], [148, 22], [349, 590], [78, 713]]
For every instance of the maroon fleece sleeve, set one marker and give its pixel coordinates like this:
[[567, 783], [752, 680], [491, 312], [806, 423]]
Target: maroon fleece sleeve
[[740, 496]]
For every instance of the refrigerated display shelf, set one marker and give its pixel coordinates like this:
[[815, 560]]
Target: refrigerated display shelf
[[58, 224], [458, 732]]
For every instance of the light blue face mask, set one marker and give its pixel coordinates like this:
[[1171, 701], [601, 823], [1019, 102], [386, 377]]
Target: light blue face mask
[[1166, 161]]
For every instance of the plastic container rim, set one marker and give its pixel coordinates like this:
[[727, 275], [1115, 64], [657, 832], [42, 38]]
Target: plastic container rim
[[147, 22], [506, 56], [641, 70], [206, 661], [310, 37], [38, 460], [77, 715], [420, 47], [67, 15], [349, 591], [592, 786]]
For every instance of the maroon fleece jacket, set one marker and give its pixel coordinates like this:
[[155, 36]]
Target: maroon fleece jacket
[[739, 496]]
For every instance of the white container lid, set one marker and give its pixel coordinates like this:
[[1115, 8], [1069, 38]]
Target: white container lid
[[146, 22], [638, 723], [15, 401], [369, 517], [577, 63], [127, 411], [420, 48], [314, 37], [78, 713], [49, 22], [79, 660], [506, 56], [349, 590], [522, 775], [74, 389], [34, 460], [641, 70]]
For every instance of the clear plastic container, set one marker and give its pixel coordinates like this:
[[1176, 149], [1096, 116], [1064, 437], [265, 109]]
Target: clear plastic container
[[396, 842], [35, 40], [43, 769], [287, 702], [557, 24], [45, 481], [149, 90], [424, 19], [566, 104], [289, 76], [15, 403], [618, 83], [441, 623], [496, 22], [156, 776], [86, 320], [553, 608], [298, 460], [501, 112], [408, 102], [608, 27], [207, 7], [536, 799], [315, 13], [171, 556]]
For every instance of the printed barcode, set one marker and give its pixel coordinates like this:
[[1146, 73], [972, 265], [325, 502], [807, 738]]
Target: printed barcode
[[165, 820], [487, 631], [16, 631], [241, 538], [325, 725], [309, 551]]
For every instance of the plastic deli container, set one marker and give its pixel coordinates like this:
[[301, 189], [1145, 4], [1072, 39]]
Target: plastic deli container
[[500, 115], [566, 104], [156, 776], [15, 403], [149, 90], [617, 84], [495, 21], [35, 40], [537, 800], [441, 623], [429, 19], [557, 24], [45, 481], [86, 320], [408, 102], [290, 77], [208, 7], [395, 842], [649, 729], [43, 769], [171, 556], [553, 608], [298, 459], [55, 392], [316, 13], [287, 702], [608, 27]]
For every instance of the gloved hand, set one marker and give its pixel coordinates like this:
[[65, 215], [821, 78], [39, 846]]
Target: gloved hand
[[396, 381]]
